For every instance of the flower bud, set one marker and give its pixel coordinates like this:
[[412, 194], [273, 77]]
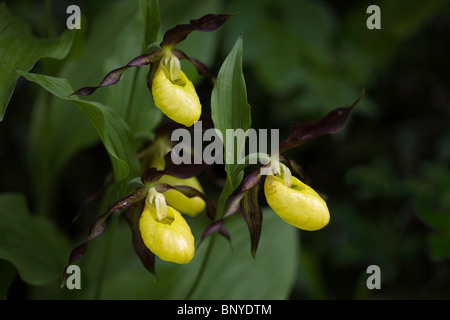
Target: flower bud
[[170, 238], [297, 204], [176, 98]]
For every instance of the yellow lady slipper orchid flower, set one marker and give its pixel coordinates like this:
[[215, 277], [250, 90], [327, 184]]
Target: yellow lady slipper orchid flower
[[175, 95], [297, 204], [169, 238], [190, 206]]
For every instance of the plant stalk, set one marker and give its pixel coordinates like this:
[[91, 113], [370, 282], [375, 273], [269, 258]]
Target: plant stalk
[[220, 212], [202, 267], [107, 255]]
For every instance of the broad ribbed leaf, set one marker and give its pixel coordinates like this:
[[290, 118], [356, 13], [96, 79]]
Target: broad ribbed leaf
[[231, 111], [229, 274], [20, 50], [34, 245], [57, 129], [112, 130], [150, 14]]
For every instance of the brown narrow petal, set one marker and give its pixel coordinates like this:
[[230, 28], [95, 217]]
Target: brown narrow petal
[[304, 132], [201, 68], [252, 214], [207, 23], [114, 76], [216, 226], [99, 225], [250, 182], [133, 216]]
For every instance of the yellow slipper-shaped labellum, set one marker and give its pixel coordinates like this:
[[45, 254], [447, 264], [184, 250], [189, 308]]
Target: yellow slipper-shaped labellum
[[177, 99], [170, 238], [298, 205]]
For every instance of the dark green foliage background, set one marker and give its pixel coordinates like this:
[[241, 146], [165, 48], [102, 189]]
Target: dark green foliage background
[[386, 175]]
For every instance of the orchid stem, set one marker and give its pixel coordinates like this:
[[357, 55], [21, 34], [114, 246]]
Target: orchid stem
[[202, 267], [106, 256], [220, 212]]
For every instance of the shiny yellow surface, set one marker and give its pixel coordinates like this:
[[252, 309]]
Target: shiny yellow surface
[[190, 206], [177, 99], [298, 205], [170, 238]]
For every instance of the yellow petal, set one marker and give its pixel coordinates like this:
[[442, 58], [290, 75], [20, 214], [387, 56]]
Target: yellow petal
[[190, 206], [170, 239], [298, 205], [178, 100]]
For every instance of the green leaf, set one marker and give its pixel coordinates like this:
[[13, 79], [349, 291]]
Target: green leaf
[[229, 274], [7, 275], [436, 219], [34, 245], [131, 97], [112, 130], [440, 245], [150, 13], [57, 130], [230, 110], [20, 50]]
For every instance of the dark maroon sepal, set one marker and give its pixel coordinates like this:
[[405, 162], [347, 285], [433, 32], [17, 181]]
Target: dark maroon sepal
[[114, 76], [304, 132], [216, 226], [133, 215], [99, 224], [207, 23]]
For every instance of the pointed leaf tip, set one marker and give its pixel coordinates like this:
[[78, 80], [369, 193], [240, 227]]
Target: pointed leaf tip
[[252, 214]]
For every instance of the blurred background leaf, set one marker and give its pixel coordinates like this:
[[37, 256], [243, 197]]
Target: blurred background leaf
[[34, 245], [233, 272], [20, 50], [114, 133]]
